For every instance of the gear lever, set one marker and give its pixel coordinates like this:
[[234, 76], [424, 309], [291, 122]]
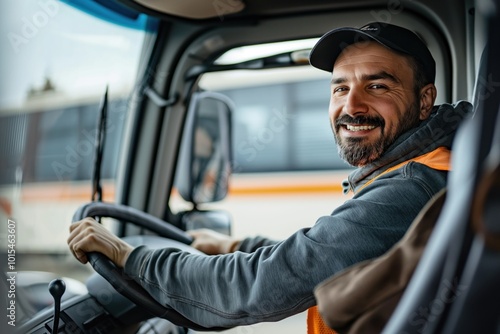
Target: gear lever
[[56, 289]]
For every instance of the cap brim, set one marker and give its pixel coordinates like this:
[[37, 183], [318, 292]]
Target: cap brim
[[330, 46]]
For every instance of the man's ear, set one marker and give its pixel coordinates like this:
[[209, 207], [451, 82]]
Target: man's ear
[[427, 97]]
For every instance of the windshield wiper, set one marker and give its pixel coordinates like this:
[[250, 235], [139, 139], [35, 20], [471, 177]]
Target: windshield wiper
[[99, 149]]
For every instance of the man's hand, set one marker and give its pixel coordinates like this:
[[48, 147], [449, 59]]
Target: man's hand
[[213, 243], [89, 236]]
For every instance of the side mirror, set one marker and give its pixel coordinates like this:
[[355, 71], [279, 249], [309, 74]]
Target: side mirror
[[205, 158]]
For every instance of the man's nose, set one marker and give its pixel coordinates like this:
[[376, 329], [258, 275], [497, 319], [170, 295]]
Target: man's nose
[[355, 102]]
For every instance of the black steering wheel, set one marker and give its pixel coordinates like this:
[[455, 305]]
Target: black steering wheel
[[116, 277]]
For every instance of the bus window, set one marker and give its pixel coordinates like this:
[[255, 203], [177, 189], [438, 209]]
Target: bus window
[[283, 127], [59, 143]]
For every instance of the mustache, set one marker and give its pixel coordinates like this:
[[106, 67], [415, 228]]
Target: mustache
[[364, 120]]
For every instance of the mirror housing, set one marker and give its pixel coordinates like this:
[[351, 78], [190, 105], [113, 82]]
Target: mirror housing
[[205, 155]]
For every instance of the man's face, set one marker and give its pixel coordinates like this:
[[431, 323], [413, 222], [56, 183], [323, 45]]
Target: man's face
[[372, 101]]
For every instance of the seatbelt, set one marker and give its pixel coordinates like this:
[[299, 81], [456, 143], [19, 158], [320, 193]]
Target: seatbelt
[[438, 159]]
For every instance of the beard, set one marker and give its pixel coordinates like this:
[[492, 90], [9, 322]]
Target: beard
[[359, 151]]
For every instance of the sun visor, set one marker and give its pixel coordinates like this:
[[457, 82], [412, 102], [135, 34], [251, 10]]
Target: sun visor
[[195, 9]]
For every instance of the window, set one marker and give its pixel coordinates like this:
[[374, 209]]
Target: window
[[57, 63], [283, 127]]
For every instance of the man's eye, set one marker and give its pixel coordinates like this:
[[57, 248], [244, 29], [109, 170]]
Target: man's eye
[[339, 89], [378, 86]]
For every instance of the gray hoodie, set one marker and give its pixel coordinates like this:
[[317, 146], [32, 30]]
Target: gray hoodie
[[267, 280]]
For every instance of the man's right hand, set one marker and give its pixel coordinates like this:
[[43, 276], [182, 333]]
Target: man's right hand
[[213, 243], [87, 235]]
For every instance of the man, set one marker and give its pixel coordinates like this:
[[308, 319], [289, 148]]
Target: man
[[384, 121]]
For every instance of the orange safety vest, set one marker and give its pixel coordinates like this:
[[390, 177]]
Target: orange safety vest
[[438, 159]]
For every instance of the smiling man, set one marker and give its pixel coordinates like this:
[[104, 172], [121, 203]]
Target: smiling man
[[384, 120]]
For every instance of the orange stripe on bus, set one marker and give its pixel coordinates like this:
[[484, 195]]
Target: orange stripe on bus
[[242, 185], [55, 192], [273, 190], [6, 206], [82, 193]]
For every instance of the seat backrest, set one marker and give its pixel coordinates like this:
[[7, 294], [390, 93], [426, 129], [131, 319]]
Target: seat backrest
[[455, 286]]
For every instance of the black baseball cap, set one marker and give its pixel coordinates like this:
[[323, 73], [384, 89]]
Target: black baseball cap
[[330, 45]]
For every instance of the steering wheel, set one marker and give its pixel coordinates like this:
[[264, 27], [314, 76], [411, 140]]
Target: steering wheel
[[116, 277]]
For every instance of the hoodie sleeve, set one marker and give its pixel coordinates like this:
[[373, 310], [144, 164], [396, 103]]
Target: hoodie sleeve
[[277, 281], [249, 245]]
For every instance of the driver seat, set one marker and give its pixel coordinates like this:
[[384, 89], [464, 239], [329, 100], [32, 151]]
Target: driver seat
[[455, 286]]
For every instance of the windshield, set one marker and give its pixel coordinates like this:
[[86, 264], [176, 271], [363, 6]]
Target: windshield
[[56, 64]]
